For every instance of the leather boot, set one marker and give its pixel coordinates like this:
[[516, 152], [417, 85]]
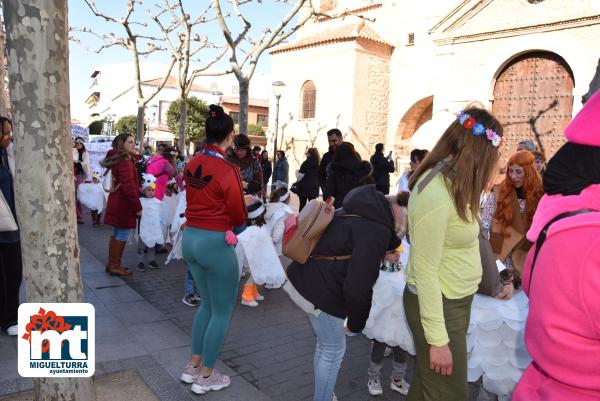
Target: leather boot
[[116, 249]]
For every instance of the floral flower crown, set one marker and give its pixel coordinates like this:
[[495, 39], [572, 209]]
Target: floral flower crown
[[478, 129]]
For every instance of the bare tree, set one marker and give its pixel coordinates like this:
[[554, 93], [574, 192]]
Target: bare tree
[[185, 45], [243, 61], [4, 102], [38, 61], [132, 41]]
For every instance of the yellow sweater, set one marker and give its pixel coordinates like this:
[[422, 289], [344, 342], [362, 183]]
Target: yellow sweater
[[444, 257]]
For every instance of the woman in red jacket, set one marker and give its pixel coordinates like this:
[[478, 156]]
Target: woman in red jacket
[[215, 204], [124, 205]]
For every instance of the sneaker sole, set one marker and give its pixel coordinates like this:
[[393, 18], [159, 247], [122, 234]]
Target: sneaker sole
[[375, 393], [189, 379], [197, 389], [401, 390], [188, 304], [250, 304]]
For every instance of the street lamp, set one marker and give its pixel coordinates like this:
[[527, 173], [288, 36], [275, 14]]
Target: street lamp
[[153, 109], [217, 96], [278, 88]]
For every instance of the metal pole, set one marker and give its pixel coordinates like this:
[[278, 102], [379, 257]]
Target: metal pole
[[276, 132]]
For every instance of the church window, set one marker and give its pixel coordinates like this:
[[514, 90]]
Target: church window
[[309, 99]]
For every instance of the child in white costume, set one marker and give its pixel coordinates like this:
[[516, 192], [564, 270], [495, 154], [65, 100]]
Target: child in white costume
[[151, 225], [255, 249], [93, 196], [277, 211], [387, 325]]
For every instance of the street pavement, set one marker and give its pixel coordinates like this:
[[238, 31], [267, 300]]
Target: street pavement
[[142, 324]]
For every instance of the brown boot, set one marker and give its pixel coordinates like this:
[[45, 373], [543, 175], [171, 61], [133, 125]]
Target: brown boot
[[115, 252]]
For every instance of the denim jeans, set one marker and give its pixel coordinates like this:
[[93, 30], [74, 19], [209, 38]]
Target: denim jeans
[[329, 353], [121, 234], [189, 288]]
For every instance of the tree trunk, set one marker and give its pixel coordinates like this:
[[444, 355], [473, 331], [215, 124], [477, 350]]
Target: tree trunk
[[4, 102], [140, 123], [243, 116], [37, 36], [182, 125]]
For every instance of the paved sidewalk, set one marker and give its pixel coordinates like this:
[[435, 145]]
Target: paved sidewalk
[[271, 346], [131, 334]]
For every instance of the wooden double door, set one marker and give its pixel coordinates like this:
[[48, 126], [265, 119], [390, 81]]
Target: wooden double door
[[533, 99]]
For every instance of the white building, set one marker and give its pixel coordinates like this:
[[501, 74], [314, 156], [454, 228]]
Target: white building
[[113, 95], [400, 76]]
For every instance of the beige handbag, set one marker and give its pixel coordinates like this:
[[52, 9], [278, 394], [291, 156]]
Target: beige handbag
[[7, 220]]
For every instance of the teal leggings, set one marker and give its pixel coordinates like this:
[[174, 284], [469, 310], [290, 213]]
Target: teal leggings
[[214, 266]]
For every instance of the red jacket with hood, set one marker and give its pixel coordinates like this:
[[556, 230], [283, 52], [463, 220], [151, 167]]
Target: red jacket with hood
[[124, 203]]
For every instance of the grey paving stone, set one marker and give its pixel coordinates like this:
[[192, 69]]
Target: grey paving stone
[[8, 347], [115, 295], [8, 387], [101, 279], [155, 336], [137, 311], [9, 369]]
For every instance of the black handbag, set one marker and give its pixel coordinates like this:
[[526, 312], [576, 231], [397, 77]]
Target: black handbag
[[295, 188]]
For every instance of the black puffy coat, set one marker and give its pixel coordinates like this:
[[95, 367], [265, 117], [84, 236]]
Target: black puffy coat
[[344, 288], [344, 176], [309, 184]]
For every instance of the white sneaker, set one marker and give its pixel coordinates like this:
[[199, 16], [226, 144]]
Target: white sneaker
[[251, 304], [374, 386], [400, 386], [13, 330], [216, 381]]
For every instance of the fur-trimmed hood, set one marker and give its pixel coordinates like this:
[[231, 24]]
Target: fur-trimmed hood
[[113, 157]]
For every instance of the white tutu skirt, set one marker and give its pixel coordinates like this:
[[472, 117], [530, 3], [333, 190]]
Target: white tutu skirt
[[387, 320], [495, 342], [92, 196]]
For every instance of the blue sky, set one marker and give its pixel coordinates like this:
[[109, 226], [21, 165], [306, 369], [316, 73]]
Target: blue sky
[[82, 62]]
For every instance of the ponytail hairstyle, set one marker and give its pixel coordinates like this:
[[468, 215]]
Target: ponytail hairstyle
[[218, 125], [532, 190]]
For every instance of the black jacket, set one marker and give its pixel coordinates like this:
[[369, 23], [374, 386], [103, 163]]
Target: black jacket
[[309, 184], [267, 169], [382, 167], [344, 176], [344, 288], [325, 161]]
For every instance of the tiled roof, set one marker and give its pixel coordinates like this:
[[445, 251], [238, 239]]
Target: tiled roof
[[172, 83], [344, 33]]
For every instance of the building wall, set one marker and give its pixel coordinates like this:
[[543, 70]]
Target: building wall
[[332, 69]]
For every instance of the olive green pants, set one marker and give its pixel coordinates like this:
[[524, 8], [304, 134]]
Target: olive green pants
[[427, 385]]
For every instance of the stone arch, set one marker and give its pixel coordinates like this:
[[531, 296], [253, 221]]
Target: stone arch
[[533, 98], [418, 114]]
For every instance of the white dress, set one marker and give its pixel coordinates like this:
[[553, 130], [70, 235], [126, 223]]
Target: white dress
[[151, 226], [170, 204], [92, 196], [255, 249], [176, 233], [276, 214], [387, 320], [495, 342]]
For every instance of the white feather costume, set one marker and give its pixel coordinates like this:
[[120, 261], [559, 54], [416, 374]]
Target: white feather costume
[[92, 196], [255, 249]]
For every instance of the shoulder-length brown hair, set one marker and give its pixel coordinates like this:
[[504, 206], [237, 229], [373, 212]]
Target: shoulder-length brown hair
[[472, 162], [118, 143], [532, 190], [314, 153]]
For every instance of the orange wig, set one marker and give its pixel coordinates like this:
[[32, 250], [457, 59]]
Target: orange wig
[[532, 191]]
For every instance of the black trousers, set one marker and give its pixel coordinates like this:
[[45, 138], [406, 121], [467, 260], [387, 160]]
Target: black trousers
[[11, 274], [303, 200]]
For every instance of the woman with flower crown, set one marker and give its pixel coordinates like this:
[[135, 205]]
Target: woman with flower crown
[[444, 268], [497, 354]]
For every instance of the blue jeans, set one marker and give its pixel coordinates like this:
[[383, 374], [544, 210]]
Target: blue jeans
[[121, 234], [189, 288], [329, 353]]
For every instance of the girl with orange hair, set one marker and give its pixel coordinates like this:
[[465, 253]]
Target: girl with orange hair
[[495, 337]]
